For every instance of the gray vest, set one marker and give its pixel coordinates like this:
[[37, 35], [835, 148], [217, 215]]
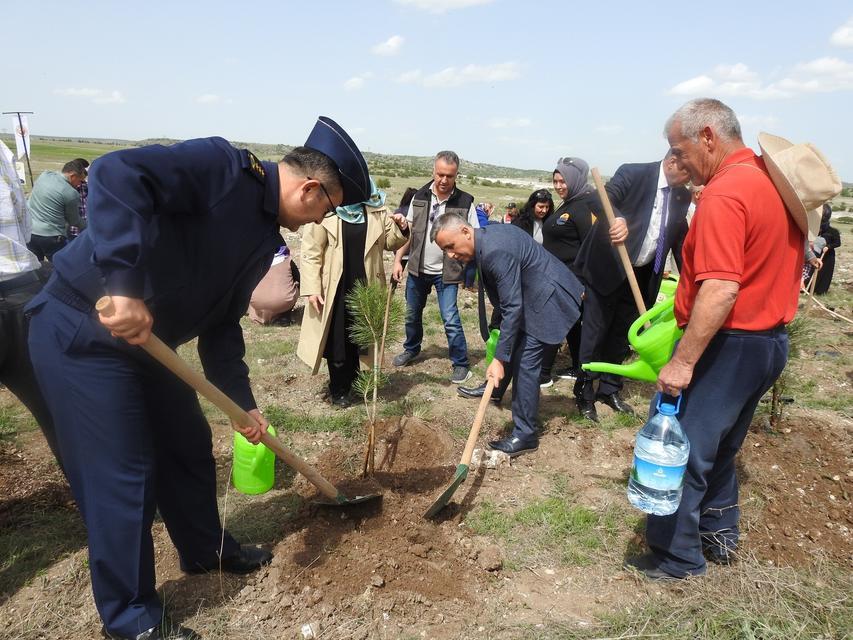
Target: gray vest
[[458, 203]]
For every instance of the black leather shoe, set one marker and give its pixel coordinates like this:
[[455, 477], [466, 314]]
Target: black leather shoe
[[720, 555], [246, 560], [616, 403], [587, 409], [165, 631], [341, 401], [477, 392], [647, 564], [514, 446]]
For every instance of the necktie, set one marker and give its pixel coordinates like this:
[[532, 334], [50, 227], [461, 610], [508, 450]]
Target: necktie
[[481, 308], [662, 233]]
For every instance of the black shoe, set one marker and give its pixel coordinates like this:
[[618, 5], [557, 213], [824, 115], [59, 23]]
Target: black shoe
[[587, 409], [514, 446], [647, 564], [341, 401], [545, 381], [569, 373], [477, 392], [616, 403], [166, 630], [246, 560], [720, 555]]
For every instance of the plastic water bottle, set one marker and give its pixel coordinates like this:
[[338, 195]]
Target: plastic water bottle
[[660, 458]]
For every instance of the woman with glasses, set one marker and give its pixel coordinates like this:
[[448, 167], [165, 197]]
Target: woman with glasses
[[345, 248]]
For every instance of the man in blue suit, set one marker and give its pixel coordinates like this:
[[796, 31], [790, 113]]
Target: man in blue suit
[[539, 300], [651, 203], [178, 237]]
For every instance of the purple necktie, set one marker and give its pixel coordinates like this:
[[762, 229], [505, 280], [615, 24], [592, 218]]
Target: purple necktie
[[662, 234]]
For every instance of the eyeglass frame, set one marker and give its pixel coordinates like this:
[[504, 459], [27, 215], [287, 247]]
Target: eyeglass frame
[[331, 211]]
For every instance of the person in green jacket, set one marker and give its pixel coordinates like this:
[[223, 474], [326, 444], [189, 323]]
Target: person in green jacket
[[54, 205]]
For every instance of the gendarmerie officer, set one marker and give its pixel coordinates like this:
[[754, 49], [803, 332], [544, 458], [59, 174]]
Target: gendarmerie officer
[[178, 237]]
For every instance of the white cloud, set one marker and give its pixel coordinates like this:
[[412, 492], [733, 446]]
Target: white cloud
[[208, 98], [822, 75], [763, 122], [471, 74], [409, 77], [357, 82], [98, 96], [508, 123], [610, 129], [390, 47], [442, 6], [843, 35]]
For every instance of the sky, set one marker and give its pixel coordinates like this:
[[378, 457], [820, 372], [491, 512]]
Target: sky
[[505, 82]]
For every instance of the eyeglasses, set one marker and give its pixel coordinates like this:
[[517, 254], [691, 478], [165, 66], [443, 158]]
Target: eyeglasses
[[331, 211]]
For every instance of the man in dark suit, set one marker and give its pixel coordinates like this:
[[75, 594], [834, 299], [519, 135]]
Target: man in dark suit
[[539, 301], [651, 203]]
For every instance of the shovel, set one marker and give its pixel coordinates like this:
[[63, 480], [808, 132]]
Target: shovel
[[462, 468], [169, 359]]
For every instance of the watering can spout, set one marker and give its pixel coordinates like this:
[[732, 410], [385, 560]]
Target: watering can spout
[[637, 370]]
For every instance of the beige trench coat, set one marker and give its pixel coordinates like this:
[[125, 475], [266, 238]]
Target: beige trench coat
[[322, 267]]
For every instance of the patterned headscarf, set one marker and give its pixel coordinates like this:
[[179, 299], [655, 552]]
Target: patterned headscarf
[[354, 213]]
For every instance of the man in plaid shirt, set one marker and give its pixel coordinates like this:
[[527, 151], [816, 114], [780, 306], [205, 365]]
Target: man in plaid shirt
[[19, 282]]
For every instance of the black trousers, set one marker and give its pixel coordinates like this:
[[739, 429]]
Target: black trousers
[[45, 246], [16, 372], [573, 339], [343, 370], [604, 336]]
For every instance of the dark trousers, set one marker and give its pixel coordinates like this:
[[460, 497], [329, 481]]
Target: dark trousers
[[16, 372], [45, 246], [343, 370], [134, 440], [573, 339], [716, 410], [525, 365], [604, 335]]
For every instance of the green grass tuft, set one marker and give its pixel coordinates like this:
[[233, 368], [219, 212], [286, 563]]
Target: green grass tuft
[[347, 423]]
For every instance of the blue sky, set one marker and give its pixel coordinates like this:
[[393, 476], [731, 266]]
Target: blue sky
[[500, 81]]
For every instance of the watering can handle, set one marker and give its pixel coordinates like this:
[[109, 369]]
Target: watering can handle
[[646, 319]]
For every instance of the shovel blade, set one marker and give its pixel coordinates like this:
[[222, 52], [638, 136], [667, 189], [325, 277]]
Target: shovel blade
[[342, 501], [444, 498]]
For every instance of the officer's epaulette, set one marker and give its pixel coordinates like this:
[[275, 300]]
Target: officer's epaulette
[[255, 167]]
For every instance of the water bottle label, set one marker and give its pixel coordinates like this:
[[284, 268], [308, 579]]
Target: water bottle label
[[657, 476]]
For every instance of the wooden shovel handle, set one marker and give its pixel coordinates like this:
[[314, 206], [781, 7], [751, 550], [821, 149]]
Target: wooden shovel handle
[[173, 362], [478, 421], [623, 252]]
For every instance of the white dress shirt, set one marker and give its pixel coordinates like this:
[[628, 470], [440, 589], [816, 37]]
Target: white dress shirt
[[650, 242]]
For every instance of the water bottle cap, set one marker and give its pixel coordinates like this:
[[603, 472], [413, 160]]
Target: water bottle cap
[[668, 408]]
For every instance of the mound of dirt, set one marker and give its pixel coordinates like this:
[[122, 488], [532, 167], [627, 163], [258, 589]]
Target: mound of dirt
[[804, 475], [377, 557]]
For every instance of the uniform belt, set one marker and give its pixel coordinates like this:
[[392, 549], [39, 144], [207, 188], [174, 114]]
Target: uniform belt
[[61, 290], [775, 331], [13, 284]]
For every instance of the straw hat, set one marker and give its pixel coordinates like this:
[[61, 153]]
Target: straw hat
[[803, 177]]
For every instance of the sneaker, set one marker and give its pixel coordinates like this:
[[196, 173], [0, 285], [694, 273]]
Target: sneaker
[[545, 382], [569, 373], [460, 374], [403, 359]]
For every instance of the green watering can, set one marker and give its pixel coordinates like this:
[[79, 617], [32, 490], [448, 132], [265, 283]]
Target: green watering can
[[492, 345], [653, 345], [253, 471]]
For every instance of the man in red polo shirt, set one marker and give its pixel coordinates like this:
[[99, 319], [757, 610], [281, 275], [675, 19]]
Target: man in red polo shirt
[[738, 288]]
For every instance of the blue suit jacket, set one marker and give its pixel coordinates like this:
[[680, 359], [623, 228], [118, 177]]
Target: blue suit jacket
[[632, 191], [191, 229], [535, 292]]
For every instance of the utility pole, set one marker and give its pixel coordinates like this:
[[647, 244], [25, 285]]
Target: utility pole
[[23, 139]]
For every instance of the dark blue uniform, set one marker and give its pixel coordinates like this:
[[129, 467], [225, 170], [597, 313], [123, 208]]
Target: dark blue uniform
[[191, 229]]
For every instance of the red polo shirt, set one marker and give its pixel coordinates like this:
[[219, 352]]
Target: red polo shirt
[[742, 232]]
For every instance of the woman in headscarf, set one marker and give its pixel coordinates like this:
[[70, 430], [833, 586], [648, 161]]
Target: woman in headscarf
[[346, 247], [563, 233]]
